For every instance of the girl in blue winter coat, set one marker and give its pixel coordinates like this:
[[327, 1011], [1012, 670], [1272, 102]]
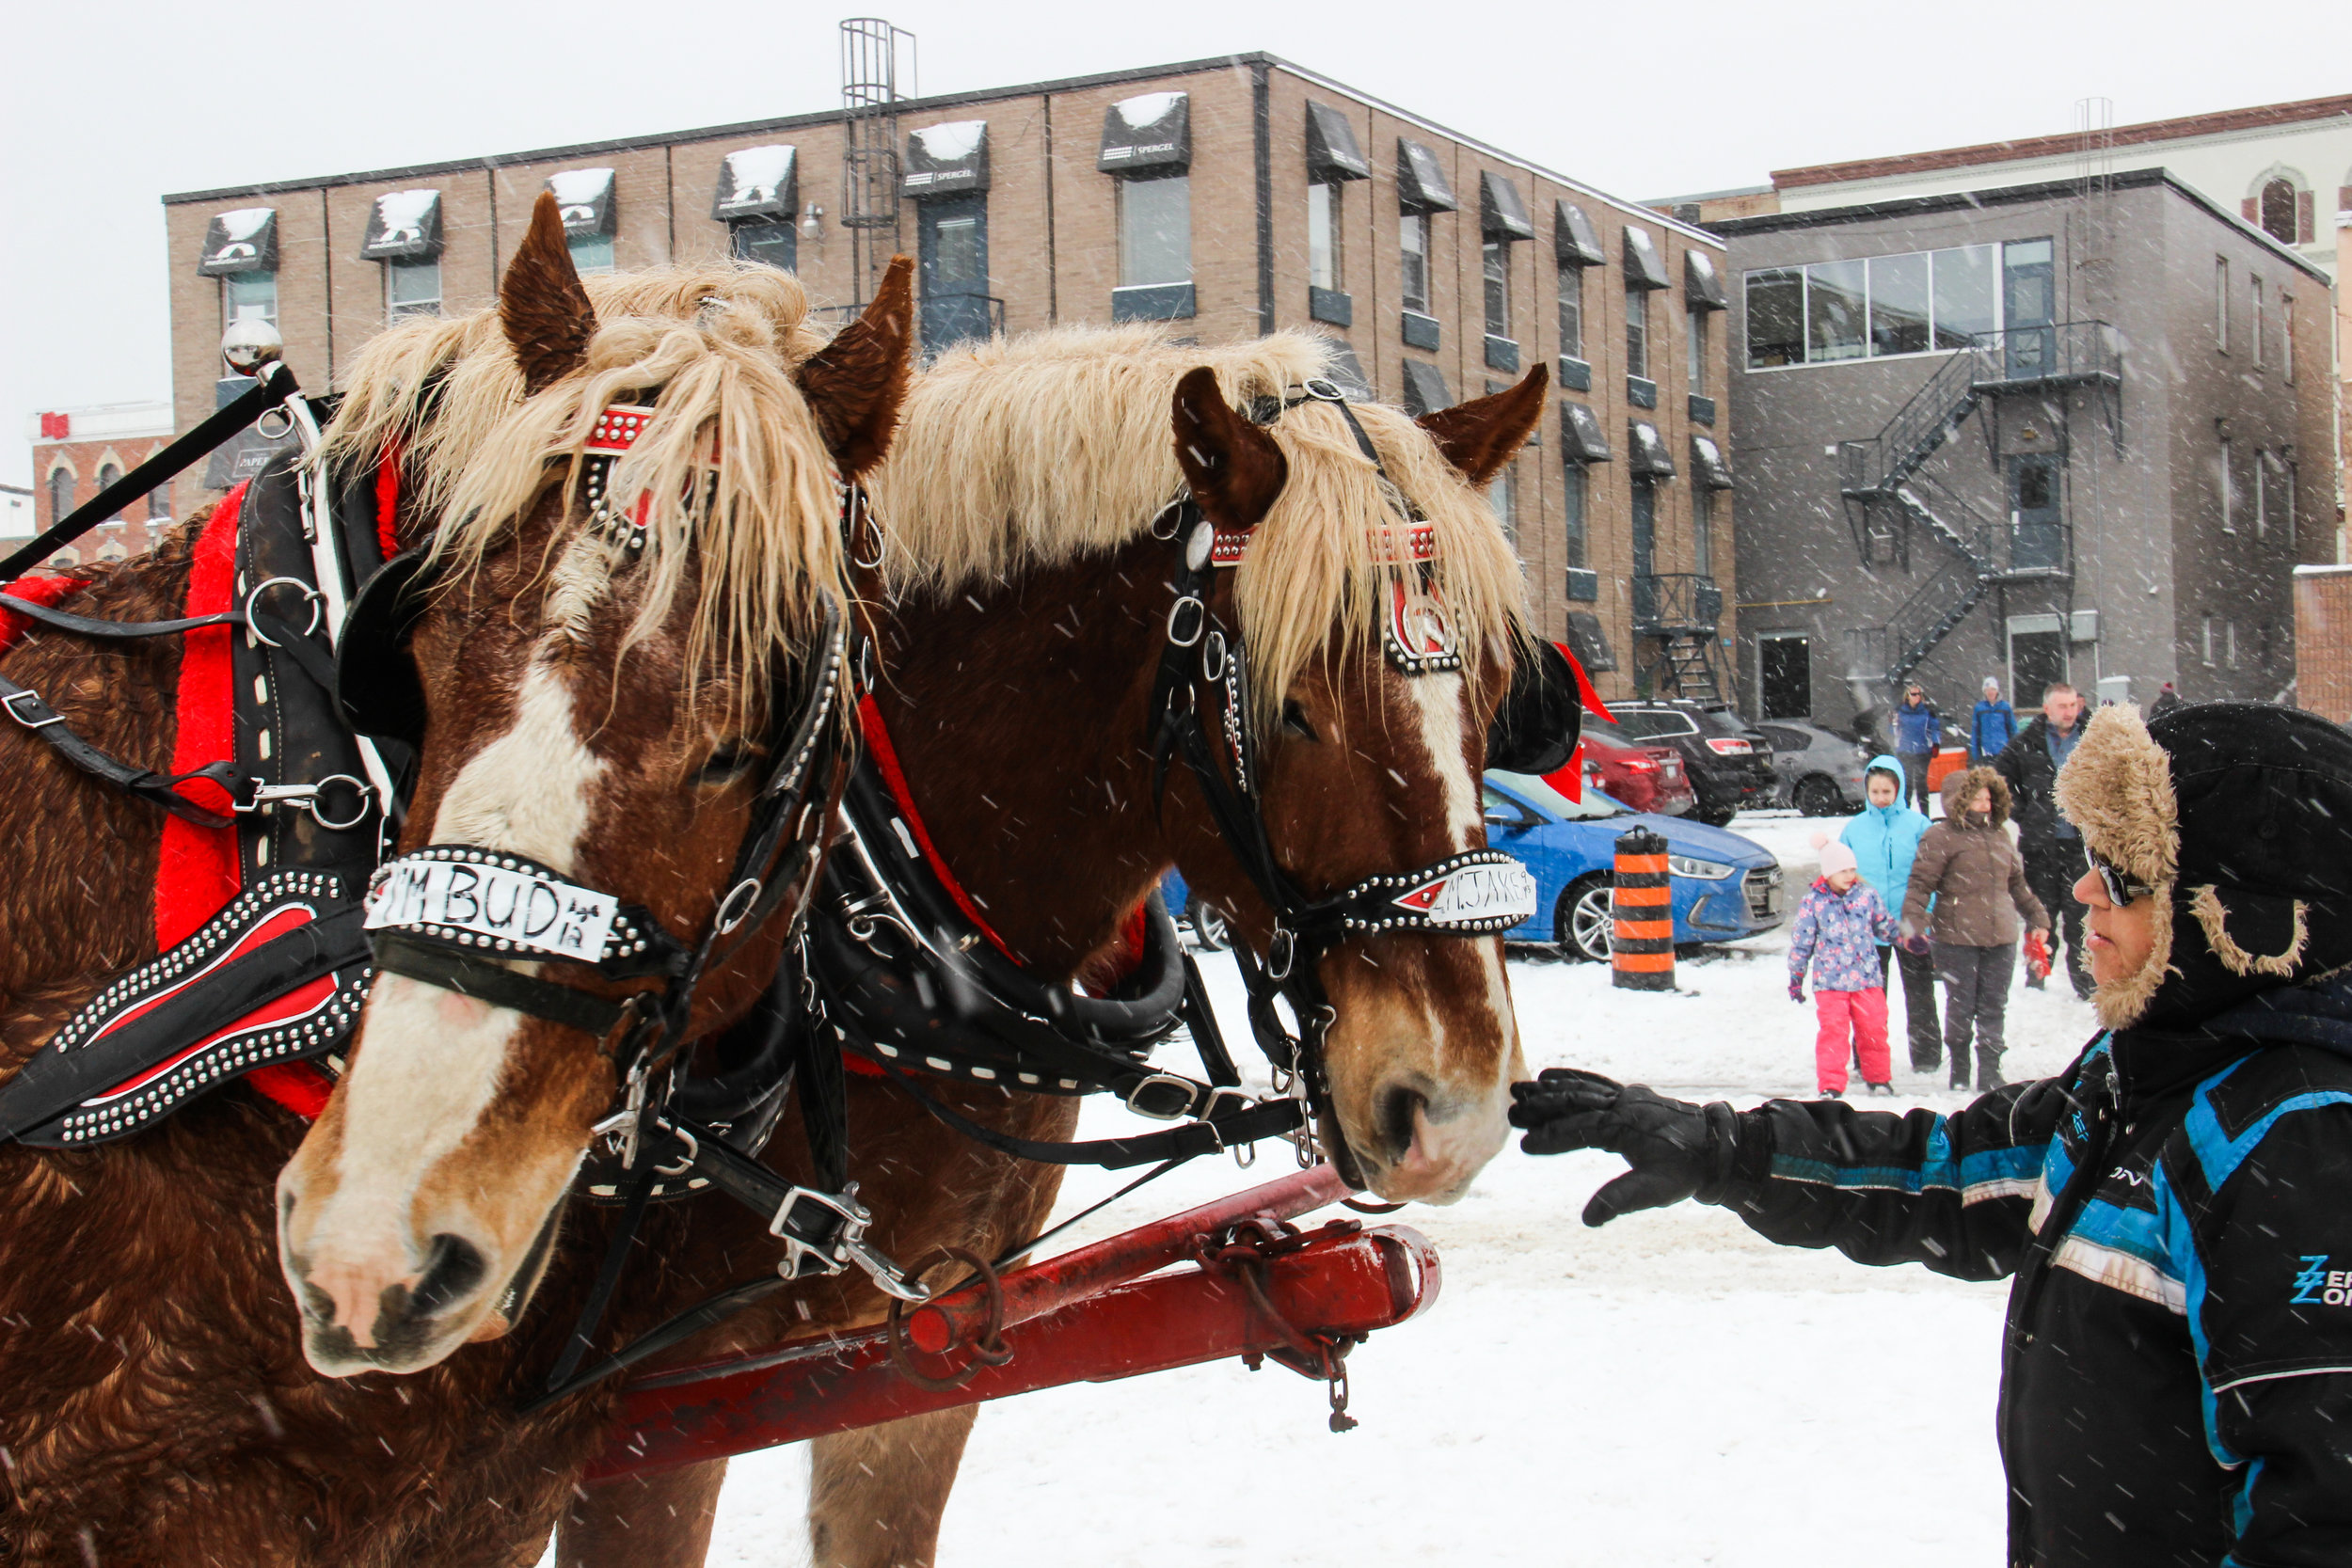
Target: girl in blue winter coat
[[1839, 929], [1884, 836]]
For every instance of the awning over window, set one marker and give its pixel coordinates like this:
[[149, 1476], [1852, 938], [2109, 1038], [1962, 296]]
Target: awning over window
[[1502, 216], [947, 160], [1348, 372], [586, 197], [1154, 131], [1589, 643], [1581, 439], [1421, 182], [1573, 237], [243, 241], [1424, 389], [402, 225], [1702, 285], [757, 183], [1651, 460], [1643, 269], [1332, 155], [1707, 465]]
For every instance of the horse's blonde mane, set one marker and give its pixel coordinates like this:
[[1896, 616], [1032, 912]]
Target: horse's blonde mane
[[1031, 452], [713, 347]]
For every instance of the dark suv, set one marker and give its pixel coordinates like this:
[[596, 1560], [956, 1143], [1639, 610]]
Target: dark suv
[[1730, 761]]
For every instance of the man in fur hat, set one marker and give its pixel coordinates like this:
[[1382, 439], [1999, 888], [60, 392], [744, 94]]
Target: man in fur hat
[[2175, 1208]]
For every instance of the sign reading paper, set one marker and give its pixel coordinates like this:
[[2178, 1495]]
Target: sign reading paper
[[528, 909], [1474, 894]]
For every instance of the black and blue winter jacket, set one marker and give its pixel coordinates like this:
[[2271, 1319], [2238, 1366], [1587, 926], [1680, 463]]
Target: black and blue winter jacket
[[2176, 1211]]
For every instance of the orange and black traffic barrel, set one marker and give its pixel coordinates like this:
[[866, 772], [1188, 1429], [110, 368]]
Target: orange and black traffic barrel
[[1641, 942]]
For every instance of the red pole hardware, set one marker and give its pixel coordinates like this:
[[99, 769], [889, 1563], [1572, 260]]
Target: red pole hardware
[[1641, 906], [1339, 1282]]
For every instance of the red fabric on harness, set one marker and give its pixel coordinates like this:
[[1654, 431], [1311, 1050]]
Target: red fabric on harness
[[388, 502], [196, 874], [40, 590], [886, 758]]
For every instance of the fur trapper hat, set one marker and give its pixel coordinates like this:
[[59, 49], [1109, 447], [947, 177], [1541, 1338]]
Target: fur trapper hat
[[1960, 787], [2239, 815]]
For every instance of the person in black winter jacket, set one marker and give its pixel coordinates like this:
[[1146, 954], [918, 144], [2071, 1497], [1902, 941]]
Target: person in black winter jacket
[[2051, 848], [2174, 1210]]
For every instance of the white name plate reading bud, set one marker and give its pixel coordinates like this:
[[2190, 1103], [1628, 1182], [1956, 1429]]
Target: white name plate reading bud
[[527, 910]]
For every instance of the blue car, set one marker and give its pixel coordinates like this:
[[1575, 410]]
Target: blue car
[[1726, 887]]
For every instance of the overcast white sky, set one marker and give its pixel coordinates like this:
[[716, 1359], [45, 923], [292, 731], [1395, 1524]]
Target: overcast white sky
[[108, 105]]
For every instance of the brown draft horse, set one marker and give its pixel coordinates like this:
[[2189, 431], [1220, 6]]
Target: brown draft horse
[[1027, 609], [155, 1407]]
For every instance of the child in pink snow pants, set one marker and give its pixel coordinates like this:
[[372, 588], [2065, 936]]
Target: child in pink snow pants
[[1839, 929]]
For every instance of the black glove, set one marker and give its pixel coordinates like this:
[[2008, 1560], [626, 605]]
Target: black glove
[[1676, 1149]]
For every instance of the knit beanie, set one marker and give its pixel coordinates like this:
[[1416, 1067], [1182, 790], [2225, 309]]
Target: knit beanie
[[2239, 817], [1834, 855]]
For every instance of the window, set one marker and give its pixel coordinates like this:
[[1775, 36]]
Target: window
[[1494, 256], [60, 495], [2208, 651], [2286, 338], [1703, 531], [2277, 210], [1836, 299], [1155, 230], [592, 253], [2261, 494], [1899, 309], [2229, 644], [1503, 497], [1775, 318], [2228, 459], [2222, 303], [1413, 248], [1695, 321], [109, 476], [1915, 302], [248, 296], [1323, 270], [771, 241], [1785, 677], [2286, 501], [1572, 312], [159, 505], [1966, 301], [412, 288], [1637, 330], [1574, 490], [2254, 314]]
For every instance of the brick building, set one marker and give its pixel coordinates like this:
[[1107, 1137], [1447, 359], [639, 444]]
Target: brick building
[[79, 451], [1226, 197]]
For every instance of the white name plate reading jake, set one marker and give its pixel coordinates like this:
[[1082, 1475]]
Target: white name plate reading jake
[[1475, 895], [528, 910]]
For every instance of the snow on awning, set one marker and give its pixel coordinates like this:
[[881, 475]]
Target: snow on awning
[[1424, 389], [402, 225], [1581, 439], [1643, 269], [241, 241], [1574, 239], [757, 183], [1707, 465], [1502, 216], [1702, 285], [1151, 131], [1651, 460], [1421, 182], [1590, 643], [1332, 155], [586, 197], [947, 160]]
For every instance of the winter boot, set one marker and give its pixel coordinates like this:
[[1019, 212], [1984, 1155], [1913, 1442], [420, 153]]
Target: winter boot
[[1988, 1068]]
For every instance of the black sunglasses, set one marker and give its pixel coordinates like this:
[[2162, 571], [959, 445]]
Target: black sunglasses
[[2121, 888]]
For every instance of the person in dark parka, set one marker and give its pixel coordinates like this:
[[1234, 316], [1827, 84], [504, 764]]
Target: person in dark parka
[[2174, 1209]]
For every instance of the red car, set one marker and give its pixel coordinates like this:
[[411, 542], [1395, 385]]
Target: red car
[[1643, 778]]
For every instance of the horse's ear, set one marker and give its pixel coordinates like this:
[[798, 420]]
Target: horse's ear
[[1233, 467], [856, 384], [1479, 437], [541, 304]]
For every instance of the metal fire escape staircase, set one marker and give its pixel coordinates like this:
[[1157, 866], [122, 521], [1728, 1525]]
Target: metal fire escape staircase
[[1684, 613], [1890, 498]]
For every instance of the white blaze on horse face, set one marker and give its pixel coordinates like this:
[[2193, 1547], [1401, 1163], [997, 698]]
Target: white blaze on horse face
[[434, 1059]]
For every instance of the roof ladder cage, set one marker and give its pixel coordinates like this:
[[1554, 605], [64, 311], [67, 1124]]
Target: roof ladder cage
[[869, 145]]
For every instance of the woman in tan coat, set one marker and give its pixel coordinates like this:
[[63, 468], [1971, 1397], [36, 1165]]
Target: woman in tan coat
[[1972, 875]]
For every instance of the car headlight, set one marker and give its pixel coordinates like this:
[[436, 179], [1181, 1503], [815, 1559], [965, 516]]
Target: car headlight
[[1709, 871]]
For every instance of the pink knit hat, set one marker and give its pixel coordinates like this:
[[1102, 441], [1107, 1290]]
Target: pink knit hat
[[1835, 856]]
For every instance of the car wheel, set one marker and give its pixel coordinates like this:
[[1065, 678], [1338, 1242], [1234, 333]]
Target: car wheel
[[1208, 925], [1581, 919], [1815, 795], [1716, 815]]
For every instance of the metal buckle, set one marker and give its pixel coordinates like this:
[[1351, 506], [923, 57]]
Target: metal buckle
[[1281, 950], [1322, 390], [306, 797], [1227, 1101], [13, 698], [1213, 656], [1171, 514], [317, 601], [1183, 1087], [848, 1247], [1184, 630], [737, 905]]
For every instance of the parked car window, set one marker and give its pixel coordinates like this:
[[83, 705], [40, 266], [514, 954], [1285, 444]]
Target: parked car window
[[1722, 720], [1651, 723], [1784, 741]]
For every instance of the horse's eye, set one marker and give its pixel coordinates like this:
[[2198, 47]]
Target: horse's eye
[[1294, 721], [727, 763]]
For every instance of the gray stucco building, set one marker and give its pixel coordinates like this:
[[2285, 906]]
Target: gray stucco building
[[2054, 431]]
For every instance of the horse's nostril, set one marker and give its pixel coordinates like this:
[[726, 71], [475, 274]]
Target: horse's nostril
[[453, 1269], [1399, 1106]]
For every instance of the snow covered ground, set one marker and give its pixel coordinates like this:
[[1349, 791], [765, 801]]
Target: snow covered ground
[[1669, 1390]]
